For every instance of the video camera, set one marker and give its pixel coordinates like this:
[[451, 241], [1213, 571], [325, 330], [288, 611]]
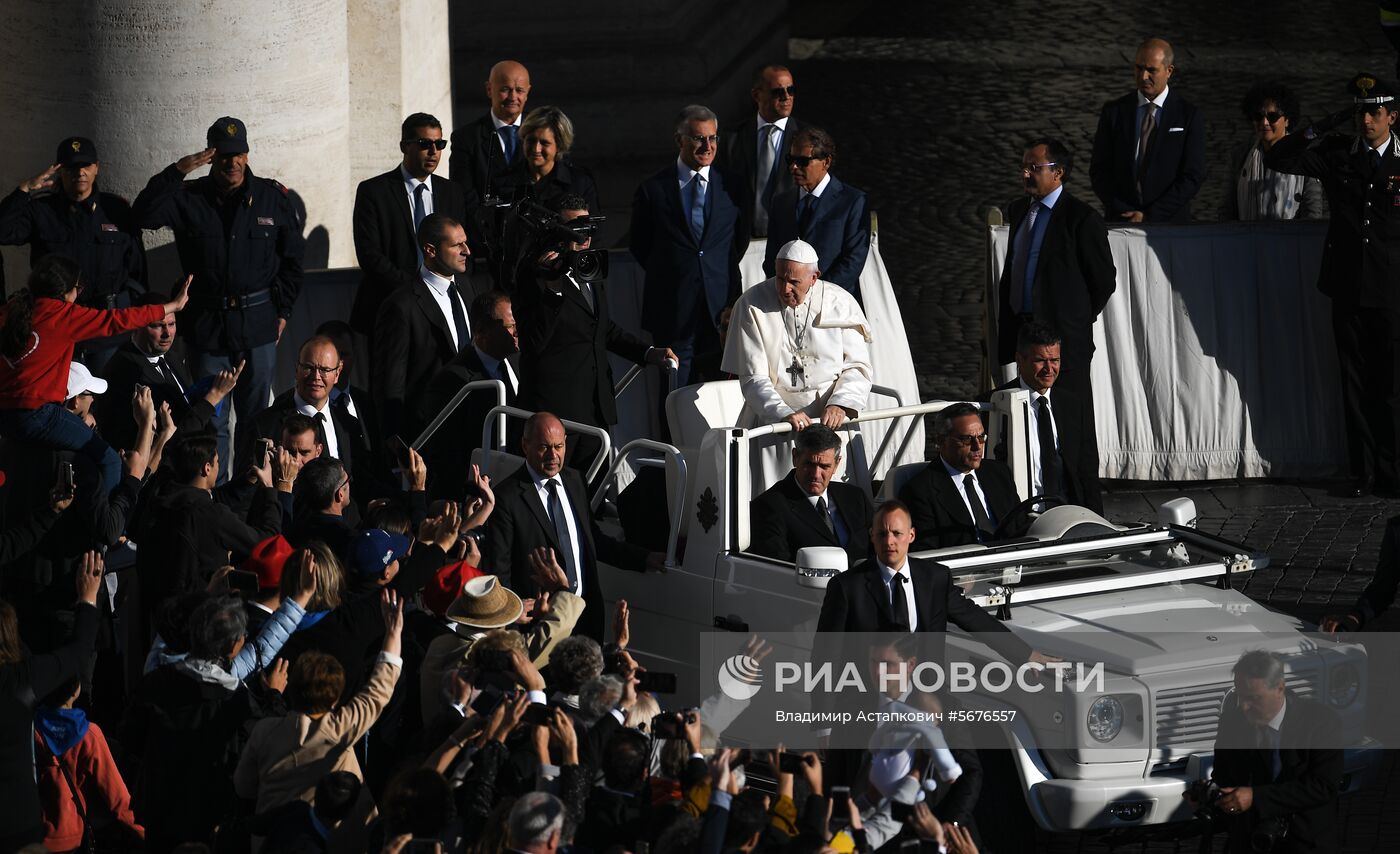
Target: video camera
[[546, 232]]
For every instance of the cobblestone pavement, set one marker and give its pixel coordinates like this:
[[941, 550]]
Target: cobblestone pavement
[[930, 104]]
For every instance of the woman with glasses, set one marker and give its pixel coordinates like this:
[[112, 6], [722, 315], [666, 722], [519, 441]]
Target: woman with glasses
[[1257, 192]]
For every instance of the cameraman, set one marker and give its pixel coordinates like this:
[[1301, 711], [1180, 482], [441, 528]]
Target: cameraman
[[566, 328], [1281, 794]]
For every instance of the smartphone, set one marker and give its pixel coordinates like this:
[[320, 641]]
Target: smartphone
[[840, 803], [656, 682], [66, 484], [667, 725], [901, 812], [539, 714], [399, 448], [266, 458], [243, 582], [487, 701], [792, 763]]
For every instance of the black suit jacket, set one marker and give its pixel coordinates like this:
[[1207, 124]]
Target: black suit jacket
[[129, 366], [476, 160], [1176, 160], [687, 282], [385, 245], [351, 438], [411, 343], [941, 518], [1079, 450], [520, 524], [564, 346], [741, 162], [449, 452], [1074, 277], [782, 521], [839, 231], [1308, 780]]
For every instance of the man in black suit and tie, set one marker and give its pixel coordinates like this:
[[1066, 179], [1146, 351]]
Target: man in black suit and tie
[[146, 359], [566, 334], [688, 232], [754, 154], [544, 508], [1150, 146], [806, 508], [484, 151], [1064, 453], [1059, 269], [1276, 762], [388, 211], [1361, 175], [959, 498], [420, 327], [822, 211], [493, 355]]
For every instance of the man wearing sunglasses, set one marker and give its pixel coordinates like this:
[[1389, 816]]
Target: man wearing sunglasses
[[388, 209], [1361, 176], [961, 497], [755, 150]]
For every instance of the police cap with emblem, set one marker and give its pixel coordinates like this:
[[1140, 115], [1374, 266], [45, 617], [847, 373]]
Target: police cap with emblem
[[76, 151], [1369, 91], [228, 136]]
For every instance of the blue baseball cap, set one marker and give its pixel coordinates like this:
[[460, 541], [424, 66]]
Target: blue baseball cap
[[375, 549]]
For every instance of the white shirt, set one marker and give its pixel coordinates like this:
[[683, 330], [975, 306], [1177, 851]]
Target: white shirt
[[411, 185], [888, 576], [684, 174], [542, 491], [437, 286], [1141, 101], [1385, 146], [1276, 722], [770, 139], [490, 362], [1037, 478], [155, 363], [500, 124], [957, 477], [332, 444], [816, 191]]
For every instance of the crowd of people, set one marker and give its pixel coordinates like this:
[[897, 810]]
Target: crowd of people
[[237, 617]]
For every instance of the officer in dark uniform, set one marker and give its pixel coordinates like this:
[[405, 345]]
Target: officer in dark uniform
[[60, 210], [240, 238], [1361, 176]]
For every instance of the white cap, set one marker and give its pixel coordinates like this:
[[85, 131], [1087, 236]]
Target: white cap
[[798, 251], [80, 379]]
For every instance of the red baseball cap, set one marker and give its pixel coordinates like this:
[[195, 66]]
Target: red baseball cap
[[267, 559], [444, 587]]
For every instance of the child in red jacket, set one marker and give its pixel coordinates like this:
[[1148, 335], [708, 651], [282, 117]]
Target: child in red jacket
[[38, 327], [73, 765]]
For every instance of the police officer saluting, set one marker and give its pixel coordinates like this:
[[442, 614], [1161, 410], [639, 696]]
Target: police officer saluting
[[240, 238], [60, 211], [1361, 176]]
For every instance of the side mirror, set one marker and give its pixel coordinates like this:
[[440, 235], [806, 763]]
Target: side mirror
[[1178, 511], [817, 565]]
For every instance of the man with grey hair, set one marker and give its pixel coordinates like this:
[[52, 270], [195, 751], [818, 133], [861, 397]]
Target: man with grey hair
[[535, 824], [809, 508], [1277, 762], [689, 230], [961, 497]]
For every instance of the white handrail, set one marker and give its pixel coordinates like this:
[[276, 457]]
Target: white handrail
[[677, 503], [461, 395], [603, 436]]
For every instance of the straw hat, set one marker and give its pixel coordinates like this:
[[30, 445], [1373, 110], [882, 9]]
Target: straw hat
[[486, 603]]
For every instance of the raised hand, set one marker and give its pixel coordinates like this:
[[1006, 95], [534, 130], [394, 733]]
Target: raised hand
[[191, 162], [43, 181], [90, 570], [182, 296], [274, 676]]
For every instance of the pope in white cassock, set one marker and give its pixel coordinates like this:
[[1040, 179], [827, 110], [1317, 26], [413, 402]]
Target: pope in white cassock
[[800, 348]]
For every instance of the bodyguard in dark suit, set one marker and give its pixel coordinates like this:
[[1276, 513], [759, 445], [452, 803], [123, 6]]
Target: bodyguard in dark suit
[[1361, 176], [1276, 762], [493, 355], [959, 498], [822, 211], [1149, 149], [1064, 447], [420, 327], [1058, 266], [483, 151], [807, 508], [388, 209], [688, 233], [544, 506], [753, 154]]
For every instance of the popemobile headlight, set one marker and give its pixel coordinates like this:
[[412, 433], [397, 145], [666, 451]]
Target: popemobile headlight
[[1343, 685], [1105, 719]]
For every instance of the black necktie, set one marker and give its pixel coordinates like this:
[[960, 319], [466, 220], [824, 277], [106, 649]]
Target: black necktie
[[1375, 160], [164, 368], [561, 533], [1268, 742], [320, 419], [826, 516], [1049, 456], [504, 376], [459, 317], [804, 213], [979, 512], [899, 605]]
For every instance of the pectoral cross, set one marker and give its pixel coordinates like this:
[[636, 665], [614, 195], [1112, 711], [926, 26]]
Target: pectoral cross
[[796, 372]]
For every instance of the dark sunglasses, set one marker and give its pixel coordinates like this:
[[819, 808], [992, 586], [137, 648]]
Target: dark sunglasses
[[780, 91], [802, 161], [426, 144], [1270, 117]]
